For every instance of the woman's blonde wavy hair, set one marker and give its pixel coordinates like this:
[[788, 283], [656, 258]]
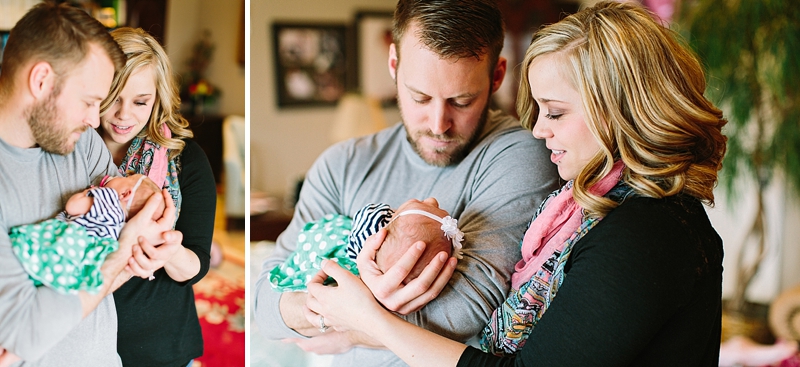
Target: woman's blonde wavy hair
[[642, 93], [143, 50]]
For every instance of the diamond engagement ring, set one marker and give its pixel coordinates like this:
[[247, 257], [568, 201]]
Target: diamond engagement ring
[[151, 277], [322, 327]]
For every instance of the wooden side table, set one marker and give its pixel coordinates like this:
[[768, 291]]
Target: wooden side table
[[267, 226]]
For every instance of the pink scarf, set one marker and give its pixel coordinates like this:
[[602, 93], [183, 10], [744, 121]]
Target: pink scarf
[[158, 168], [555, 224], [149, 158]]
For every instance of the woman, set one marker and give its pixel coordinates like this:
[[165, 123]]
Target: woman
[[621, 266], [145, 133]]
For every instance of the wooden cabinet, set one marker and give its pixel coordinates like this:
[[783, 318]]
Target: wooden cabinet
[[149, 15], [207, 129]]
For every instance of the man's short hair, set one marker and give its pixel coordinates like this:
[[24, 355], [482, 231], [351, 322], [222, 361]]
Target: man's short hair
[[59, 35], [453, 28]]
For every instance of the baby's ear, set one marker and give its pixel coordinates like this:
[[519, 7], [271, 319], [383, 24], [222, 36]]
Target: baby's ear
[[124, 194]]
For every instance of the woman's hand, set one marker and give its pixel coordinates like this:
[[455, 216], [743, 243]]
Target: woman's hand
[[351, 306], [388, 287], [147, 258], [347, 306]]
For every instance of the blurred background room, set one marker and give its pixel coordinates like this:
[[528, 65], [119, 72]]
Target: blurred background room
[[319, 75], [204, 40]]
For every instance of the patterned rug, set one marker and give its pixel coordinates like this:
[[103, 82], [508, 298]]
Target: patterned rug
[[220, 306]]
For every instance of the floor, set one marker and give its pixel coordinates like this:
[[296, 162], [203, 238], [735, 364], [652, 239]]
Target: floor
[[264, 353], [273, 353], [232, 244]]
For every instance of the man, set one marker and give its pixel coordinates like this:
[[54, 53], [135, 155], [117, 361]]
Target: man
[[480, 165], [57, 67]]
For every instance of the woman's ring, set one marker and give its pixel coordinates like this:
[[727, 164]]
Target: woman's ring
[[151, 277], [322, 327]]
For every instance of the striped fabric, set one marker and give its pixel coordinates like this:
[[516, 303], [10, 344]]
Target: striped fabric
[[366, 222], [106, 216]]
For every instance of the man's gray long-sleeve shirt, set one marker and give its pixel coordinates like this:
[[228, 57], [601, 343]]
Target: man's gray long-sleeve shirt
[[493, 192], [39, 324]]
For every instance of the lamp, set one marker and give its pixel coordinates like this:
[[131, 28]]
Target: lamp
[[356, 115]]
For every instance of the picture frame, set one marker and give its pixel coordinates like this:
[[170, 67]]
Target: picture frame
[[373, 35], [310, 63], [240, 47], [3, 39]]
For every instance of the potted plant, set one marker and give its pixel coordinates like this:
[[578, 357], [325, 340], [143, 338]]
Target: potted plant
[[751, 51]]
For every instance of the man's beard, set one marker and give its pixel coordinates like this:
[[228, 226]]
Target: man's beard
[[48, 132], [442, 158]]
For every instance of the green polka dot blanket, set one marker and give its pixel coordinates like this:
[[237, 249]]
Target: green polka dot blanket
[[326, 238], [61, 255]]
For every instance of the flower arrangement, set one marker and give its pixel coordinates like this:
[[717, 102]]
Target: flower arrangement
[[198, 91]]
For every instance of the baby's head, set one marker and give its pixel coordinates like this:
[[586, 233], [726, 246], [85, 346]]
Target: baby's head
[[134, 191], [416, 221]]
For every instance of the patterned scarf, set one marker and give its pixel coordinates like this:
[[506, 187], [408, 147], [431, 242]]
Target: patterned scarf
[[148, 158], [557, 225]]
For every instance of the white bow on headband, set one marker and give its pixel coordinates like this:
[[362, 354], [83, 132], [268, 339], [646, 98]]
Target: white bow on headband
[[449, 227]]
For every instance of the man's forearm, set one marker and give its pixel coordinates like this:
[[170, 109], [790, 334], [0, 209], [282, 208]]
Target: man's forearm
[[291, 305], [112, 267]]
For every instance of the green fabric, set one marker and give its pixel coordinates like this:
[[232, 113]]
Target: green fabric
[[326, 238], [61, 255]]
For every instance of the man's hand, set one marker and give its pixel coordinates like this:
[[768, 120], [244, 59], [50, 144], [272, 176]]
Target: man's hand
[[335, 342], [388, 288], [7, 358], [345, 340], [332, 342], [143, 225], [291, 307], [121, 279]]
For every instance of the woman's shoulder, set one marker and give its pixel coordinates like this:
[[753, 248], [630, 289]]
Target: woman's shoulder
[[679, 222], [677, 208], [192, 149], [193, 160]]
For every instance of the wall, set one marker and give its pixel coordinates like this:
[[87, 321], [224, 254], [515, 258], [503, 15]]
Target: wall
[[186, 20], [285, 142]]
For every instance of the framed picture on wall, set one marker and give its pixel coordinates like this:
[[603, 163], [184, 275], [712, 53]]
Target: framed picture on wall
[[310, 63], [3, 40], [373, 34]]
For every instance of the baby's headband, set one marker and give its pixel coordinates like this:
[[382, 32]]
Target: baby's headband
[[108, 178], [133, 192], [449, 227], [105, 180]]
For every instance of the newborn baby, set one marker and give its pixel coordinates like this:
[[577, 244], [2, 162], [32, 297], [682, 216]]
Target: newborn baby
[[132, 191], [66, 252], [340, 238]]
